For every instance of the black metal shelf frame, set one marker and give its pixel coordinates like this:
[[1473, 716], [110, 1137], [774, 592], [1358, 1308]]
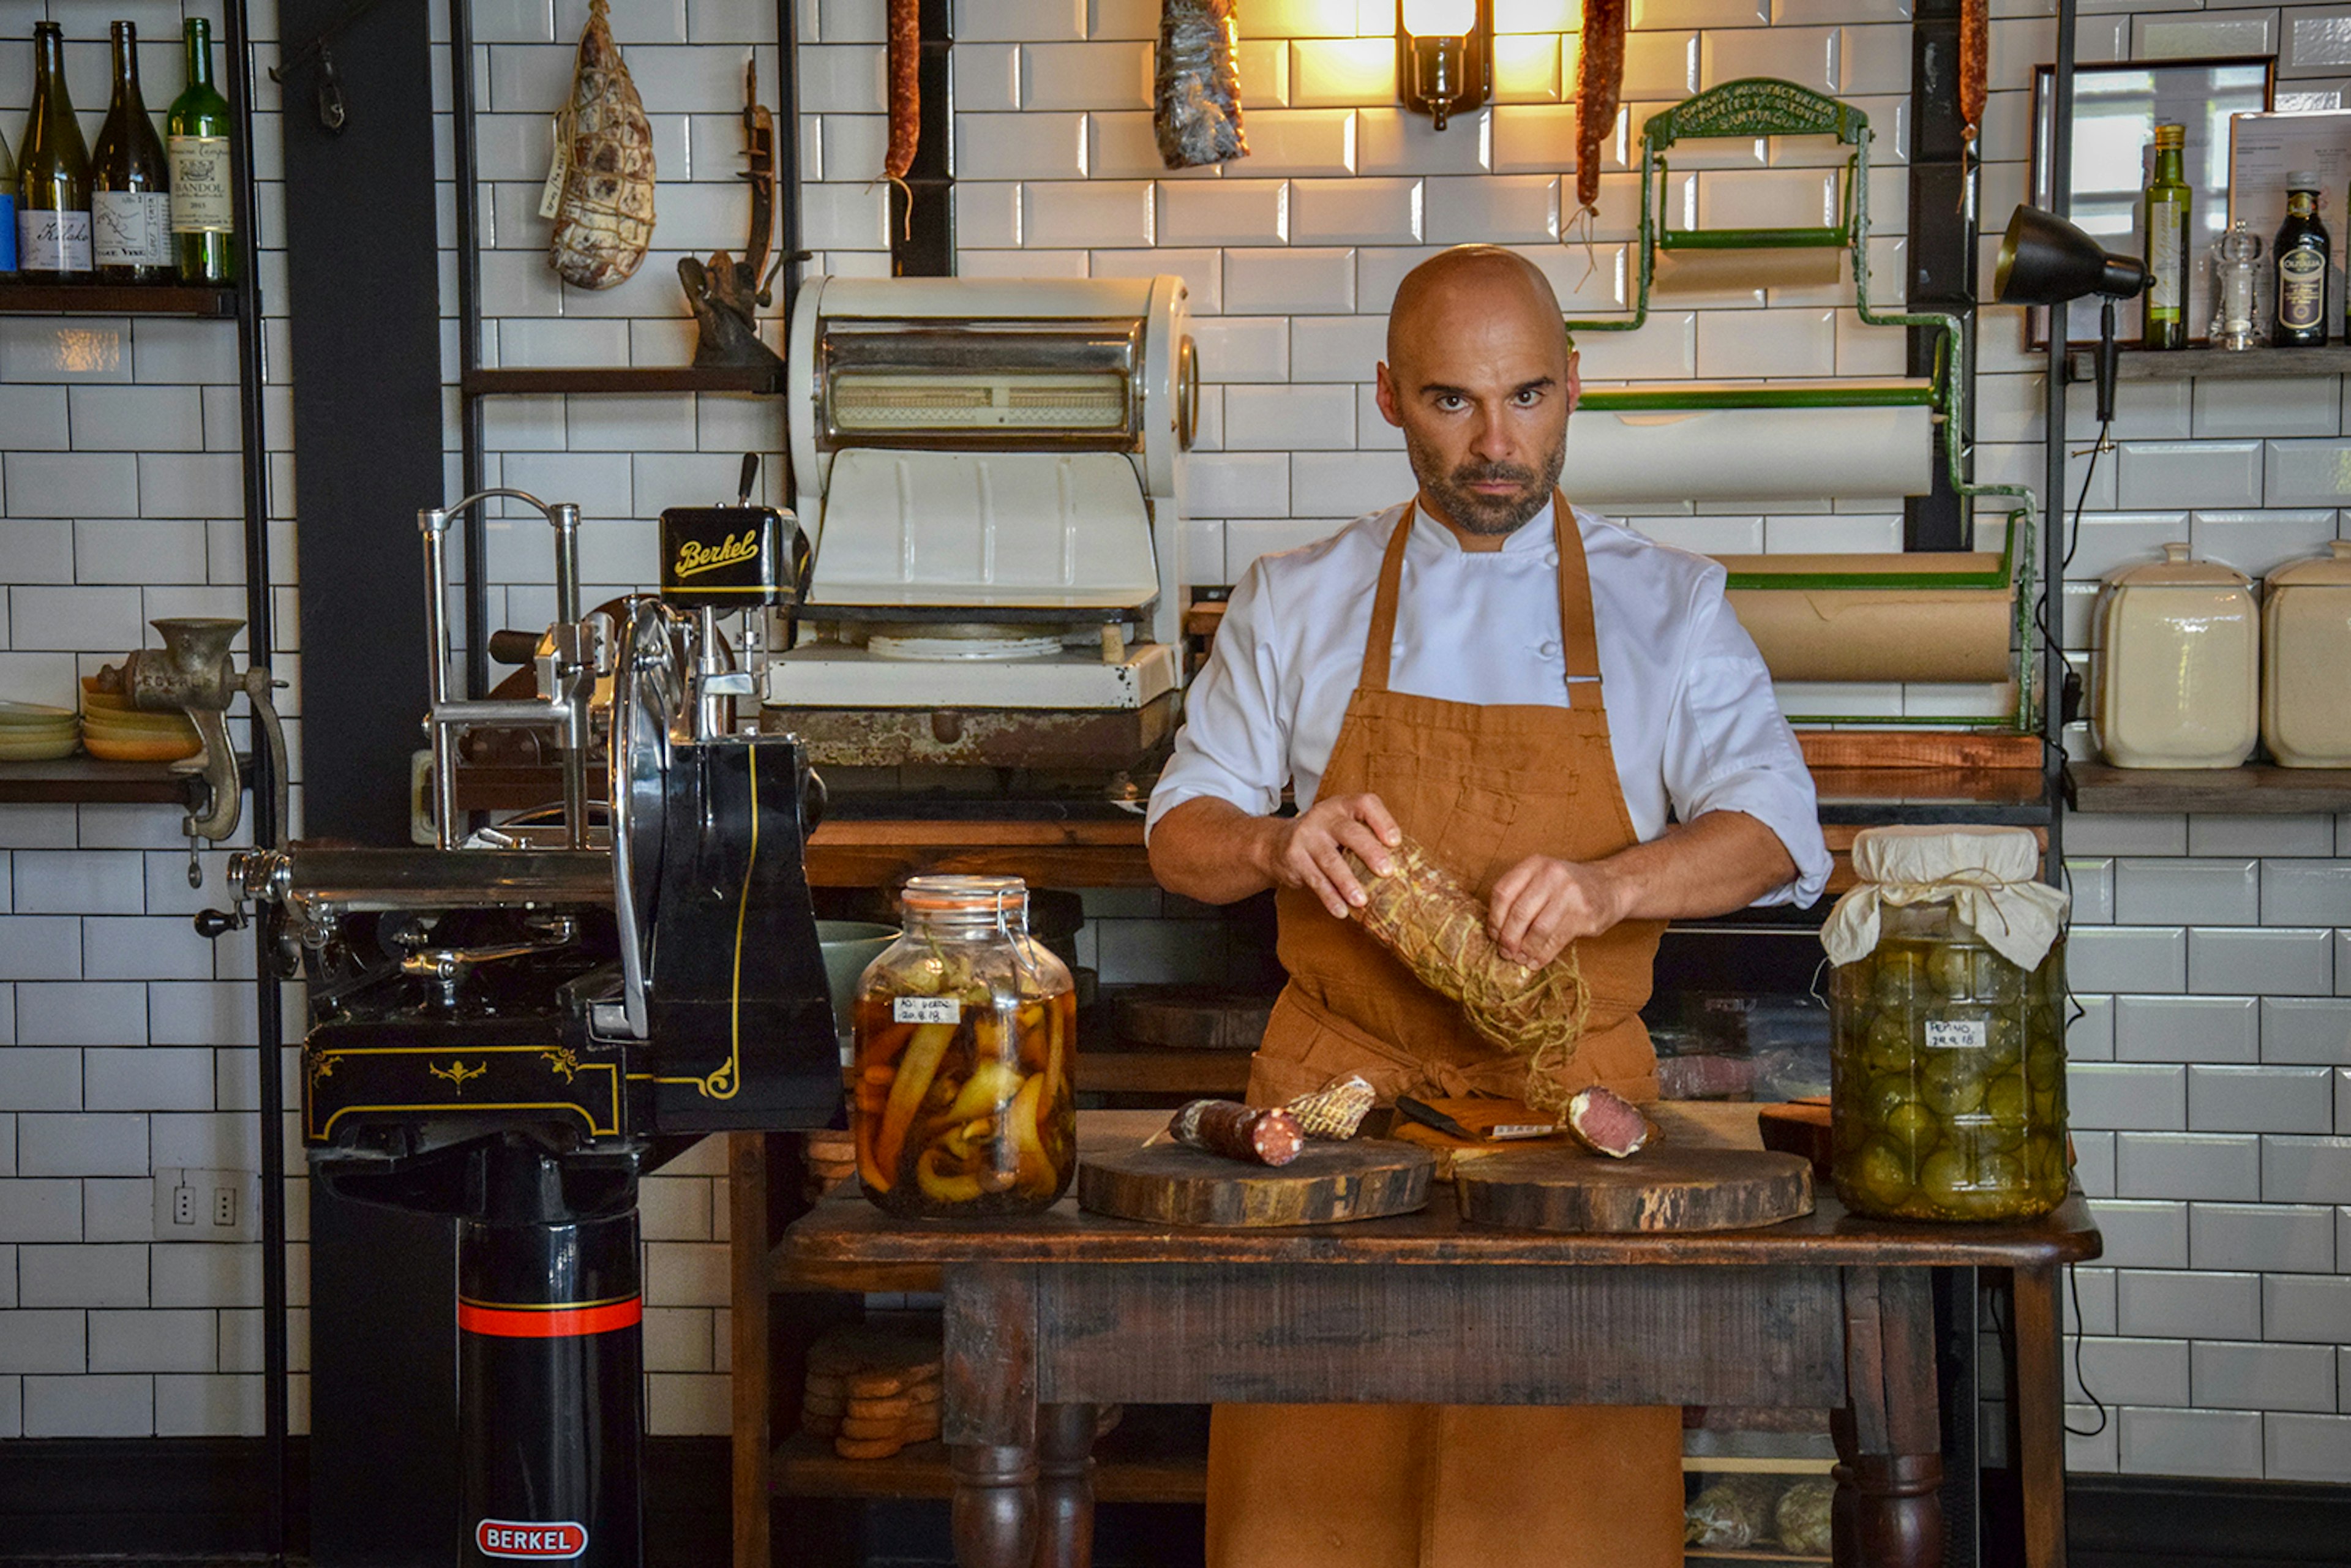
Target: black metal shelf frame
[[476, 382]]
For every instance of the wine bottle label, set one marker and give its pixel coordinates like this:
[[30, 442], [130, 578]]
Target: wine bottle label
[[2301, 290], [200, 193], [2163, 255], [131, 228], [53, 242]]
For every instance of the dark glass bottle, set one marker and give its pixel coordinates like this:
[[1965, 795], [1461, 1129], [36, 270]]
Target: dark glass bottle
[[2166, 244], [7, 211], [129, 200], [52, 175], [2300, 262], [204, 213]]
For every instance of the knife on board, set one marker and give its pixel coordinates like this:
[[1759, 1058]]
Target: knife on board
[[1429, 1115]]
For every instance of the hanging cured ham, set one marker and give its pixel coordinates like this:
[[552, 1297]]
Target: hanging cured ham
[[604, 216]]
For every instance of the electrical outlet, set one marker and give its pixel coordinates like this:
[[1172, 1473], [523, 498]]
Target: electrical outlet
[[206, 1205]]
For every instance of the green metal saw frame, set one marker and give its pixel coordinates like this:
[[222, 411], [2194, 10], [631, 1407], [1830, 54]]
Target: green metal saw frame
[[1766, 106]]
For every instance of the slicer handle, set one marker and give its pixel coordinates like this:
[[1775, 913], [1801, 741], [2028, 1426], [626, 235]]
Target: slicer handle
[[742, 486], [513, 647]]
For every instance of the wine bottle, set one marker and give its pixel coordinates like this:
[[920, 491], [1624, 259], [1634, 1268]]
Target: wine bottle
[[2166, 244], [129, 204], [2300, 258], [8, 209], [204, 213], [52, 175]]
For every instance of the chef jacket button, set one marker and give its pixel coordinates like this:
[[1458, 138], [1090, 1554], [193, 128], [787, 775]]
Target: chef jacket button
[[1550, 650], [1550, 557]]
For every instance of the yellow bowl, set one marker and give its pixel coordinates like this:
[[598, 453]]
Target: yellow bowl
[[144, 748], [48, 749]]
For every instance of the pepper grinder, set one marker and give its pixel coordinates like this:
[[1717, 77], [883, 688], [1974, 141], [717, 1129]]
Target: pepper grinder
[[2236, 266]]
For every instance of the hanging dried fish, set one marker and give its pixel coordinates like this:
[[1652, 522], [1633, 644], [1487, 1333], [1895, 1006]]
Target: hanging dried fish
[[1197, 108], [1975, 63], [1599, 83], [906, 87], [604, 214]]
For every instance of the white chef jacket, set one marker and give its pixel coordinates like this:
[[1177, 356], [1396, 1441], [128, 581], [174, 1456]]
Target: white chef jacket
[[1692, 722]]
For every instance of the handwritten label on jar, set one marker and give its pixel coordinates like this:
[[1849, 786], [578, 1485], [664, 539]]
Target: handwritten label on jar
[[946, 1010], [1955, 1034]]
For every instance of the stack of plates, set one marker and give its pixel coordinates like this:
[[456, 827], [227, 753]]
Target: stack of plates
[[112, 729], [34, 732]]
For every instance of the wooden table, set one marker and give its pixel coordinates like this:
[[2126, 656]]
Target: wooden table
[[1049, 1315]]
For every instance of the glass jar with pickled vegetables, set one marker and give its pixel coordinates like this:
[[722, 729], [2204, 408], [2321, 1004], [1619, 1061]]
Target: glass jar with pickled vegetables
[[965, 1062], [1947, 1018]]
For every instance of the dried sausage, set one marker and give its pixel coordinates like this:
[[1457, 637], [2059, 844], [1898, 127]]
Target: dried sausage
[[1975, 53], [1197, 98], [906, 87], [1265, 1137], [604, 219], [1599, 83]]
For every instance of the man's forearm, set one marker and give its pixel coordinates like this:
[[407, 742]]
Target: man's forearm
[[1212, 850], [1721, 862]]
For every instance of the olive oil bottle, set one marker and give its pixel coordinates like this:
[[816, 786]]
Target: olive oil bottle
[[2166, 244], [130, 201], [204, 210], [52, 175], [2300, 257]]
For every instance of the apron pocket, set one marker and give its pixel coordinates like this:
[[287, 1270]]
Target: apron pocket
[[1306, 1048]]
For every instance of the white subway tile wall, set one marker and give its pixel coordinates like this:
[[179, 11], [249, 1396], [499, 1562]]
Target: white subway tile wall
[[2212, 1094]]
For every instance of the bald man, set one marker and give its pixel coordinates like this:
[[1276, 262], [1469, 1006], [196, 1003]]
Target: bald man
[[1570, 718]]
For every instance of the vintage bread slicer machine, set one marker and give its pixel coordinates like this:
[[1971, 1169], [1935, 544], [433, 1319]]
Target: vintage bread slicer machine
[[991, 475], [511, 1028]]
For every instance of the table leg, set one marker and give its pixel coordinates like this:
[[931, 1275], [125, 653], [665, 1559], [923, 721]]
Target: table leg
[[2041, 1415], [995, 1510], [989, 1418], [1065, 1486], [1888, 1512]]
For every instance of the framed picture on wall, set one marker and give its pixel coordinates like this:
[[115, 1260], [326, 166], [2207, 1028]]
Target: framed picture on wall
[[2116, 110], [2265, 149]]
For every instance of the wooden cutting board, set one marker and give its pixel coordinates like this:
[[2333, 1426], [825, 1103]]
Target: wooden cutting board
[[1173, 1184], [1664, 1187]]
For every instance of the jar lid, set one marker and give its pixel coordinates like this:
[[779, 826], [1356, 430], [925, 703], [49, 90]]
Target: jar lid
[[2177, 570], [964, 894], [2332, 570]]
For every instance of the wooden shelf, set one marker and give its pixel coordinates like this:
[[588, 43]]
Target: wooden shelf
[[86, 781], [2255, 790], [114, 300], [627, 379], [1156, 1454], [2212, 364], [1196, 1074]]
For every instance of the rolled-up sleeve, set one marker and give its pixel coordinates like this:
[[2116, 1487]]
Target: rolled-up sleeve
[[1728, 748], [1234, 743]]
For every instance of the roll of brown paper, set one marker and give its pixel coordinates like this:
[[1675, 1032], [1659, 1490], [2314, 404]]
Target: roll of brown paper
[[1827, 617]]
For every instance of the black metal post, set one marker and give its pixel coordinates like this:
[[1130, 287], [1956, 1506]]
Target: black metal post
[[787, 147], [2054, 515], [269, 1034], [471, 437]]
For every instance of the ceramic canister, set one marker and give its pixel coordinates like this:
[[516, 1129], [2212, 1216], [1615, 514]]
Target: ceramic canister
[[2181, 675], [2306, 661]]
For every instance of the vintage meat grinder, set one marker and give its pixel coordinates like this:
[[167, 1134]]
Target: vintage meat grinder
[[511, 1028]]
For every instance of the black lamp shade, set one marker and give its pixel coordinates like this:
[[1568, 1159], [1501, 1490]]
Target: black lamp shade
[[2044, 261]]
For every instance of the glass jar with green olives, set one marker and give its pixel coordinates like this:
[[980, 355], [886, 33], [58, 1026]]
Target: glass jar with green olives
[[1947, 1068]]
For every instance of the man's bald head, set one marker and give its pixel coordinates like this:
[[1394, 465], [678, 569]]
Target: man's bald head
[[1472, 281], [1480, 377]]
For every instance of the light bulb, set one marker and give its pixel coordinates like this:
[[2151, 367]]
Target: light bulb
[[1439, 18]]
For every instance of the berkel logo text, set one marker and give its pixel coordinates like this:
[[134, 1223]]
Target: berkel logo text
[[518, 1538]]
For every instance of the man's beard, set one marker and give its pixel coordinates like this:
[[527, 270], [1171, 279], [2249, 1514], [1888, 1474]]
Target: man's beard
[[1484, 514]]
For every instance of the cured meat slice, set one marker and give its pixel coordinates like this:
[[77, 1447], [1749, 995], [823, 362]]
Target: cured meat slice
[[605, 217], [1607, 1123]]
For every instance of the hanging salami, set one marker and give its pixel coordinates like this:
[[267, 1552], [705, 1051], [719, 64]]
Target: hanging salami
[[1975, 62], [604, 212], [905, 61], [1197, 106], [1599, 83]]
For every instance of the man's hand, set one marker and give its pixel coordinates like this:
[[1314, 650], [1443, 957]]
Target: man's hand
[[1541, 904], [1304, 851]]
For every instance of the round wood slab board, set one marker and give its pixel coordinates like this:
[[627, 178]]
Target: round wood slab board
[[1664, 1187], [1173, 1184]]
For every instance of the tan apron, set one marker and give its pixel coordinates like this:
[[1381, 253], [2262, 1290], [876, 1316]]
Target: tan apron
[[1396, 1485]]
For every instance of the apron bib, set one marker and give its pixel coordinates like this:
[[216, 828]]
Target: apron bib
[[1397, 1485]]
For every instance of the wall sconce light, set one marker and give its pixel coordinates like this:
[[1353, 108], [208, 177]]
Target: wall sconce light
[[1445, 56]]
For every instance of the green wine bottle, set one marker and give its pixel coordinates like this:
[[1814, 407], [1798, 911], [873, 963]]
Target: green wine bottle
[[203, 212], [53, 176], [2168, 271], [130, 201], [7, 211]]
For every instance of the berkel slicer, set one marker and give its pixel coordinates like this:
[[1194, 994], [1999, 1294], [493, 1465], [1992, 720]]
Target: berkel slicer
[[511, 1028], [990, 474]]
